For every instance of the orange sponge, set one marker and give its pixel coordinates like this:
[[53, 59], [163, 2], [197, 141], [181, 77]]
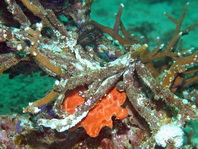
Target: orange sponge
[[101, 114], [72, 100]]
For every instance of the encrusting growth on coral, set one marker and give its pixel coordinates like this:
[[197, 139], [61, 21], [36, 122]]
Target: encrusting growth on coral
[[99, 82], [101, 114]]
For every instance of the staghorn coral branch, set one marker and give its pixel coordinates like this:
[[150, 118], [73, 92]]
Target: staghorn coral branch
[[145, 58], [7, 61], [33, 107], [108, 30], [185, 109], [114, 32], [178, 33], [140, 101], [18, 13], [191, 27], [178, 67], [178, 22], [137, 50], [56, 23], [43, 61], [190, 81], [127, 35], [152, 69], [191, 71], [172, 42], [171, 18], [35, 9], [38, 10], [117, 23]]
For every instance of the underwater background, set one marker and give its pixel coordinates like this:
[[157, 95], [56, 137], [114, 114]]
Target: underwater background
[[19, 86]]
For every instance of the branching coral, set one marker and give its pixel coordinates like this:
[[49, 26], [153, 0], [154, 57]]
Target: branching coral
[[90, 90]]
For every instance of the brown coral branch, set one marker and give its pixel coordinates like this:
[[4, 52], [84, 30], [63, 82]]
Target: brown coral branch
[[114, 32], [47, 15], [152, 69], [43, 61], [7, 61], [38, 10], [56, 23], [185, 109], [178, 22], [117, 23], [33, 107], [178, 67], [140, 101], [18, 13], [178, 33], [148, 57], [108, 30], [35, 9], [172, 42], [190, 81]]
